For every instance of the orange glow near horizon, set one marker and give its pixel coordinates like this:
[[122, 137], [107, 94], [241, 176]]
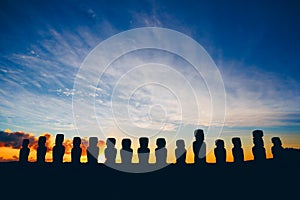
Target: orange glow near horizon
[[8, 153]]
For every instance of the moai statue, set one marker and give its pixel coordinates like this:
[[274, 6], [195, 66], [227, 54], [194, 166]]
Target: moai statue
[[110, 152], [277, 149], [59, 149], [220, 152], [199, 147], [161, 151], [93, 151], [41, 150], [237, 150], [76, 150], [258, 150], [180, 152], [24, 151], [143, 150], [126, 151]]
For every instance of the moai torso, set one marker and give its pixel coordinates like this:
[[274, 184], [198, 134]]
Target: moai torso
[[41, 150], [93, 151], [126, 151], [237, 151], [143, 151], [258, 150], [199, 147], [76, 150], [180, 152], [58, 150], [161, 151], [24, 151], [220, 152]]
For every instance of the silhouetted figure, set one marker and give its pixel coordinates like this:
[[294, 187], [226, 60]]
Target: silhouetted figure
[[41, 150], [220, 152], [180, 152], [58, 150], [110, 152], [24, 151], [143, 150], [76, 150], [277, 149], [237, 151], [126, 151], [199, 147], [258, 150], [93, 151], [161, 151]]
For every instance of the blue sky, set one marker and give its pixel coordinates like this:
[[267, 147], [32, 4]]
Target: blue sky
[[255, 45]]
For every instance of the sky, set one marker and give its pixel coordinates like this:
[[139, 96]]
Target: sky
[[45, 45]]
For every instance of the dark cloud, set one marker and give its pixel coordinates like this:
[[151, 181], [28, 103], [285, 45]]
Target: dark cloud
[[15, 139]]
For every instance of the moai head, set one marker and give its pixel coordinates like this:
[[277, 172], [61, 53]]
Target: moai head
[[59, 139], [237, 142], [257, 133], [110, 142], [180, 144], [219, 143], [258, 142], [276, 141], [199, 135], [161, 142], [93, 141], [76, 142], [25, 143], [42, 141], [144, 142], [126, 143]]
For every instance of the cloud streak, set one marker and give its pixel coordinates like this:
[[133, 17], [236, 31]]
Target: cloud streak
[[38, 85], [259, 98]]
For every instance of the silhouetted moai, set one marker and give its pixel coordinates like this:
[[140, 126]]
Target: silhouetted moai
[[161, 151], [41, 150], [237, 150], [59, 149], [110, 152], [126, 151], [199, 147], [24, 151], [76, 150], [258, 150], [220, 152], [93, 151], [277, 149], [143, 150], [180, 152]]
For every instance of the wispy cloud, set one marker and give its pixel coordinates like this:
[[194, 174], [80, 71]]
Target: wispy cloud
[[253, 97], [257, 97], [38, 86]]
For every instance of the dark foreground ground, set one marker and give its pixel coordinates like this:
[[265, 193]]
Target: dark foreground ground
[[249, 180]]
